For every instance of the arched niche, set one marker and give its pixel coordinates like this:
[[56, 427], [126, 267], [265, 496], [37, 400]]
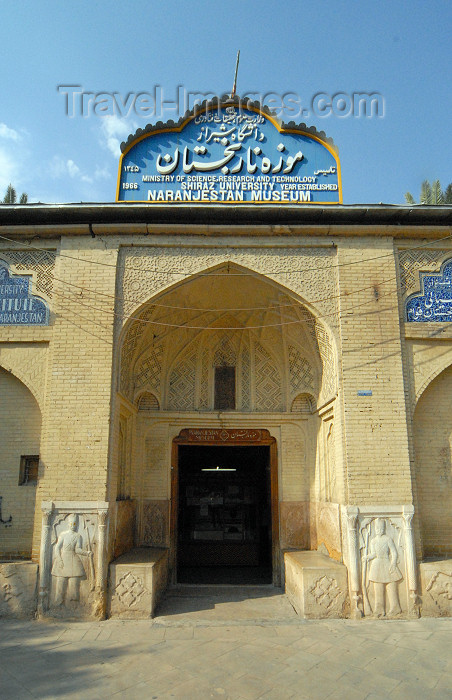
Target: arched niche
[[432, 428], [147, 401], [20, 435], [303, 403], [278, 346]]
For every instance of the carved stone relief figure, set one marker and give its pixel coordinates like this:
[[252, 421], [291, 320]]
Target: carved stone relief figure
[[380, 568], [68, 569], [72, 565]]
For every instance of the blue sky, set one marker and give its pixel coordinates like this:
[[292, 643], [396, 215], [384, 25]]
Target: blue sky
[[397, 49]]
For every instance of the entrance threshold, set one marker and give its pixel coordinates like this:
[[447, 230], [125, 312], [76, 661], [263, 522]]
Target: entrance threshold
[[224, 507], [203, 606], [193, 590], [222, 575]]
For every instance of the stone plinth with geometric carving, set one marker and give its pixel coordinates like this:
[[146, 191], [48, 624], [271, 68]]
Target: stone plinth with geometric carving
[[136, 582], [316, 585], [18, 588], [436, 588]]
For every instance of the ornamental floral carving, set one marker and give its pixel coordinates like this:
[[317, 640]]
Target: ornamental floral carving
[[326, 593], [130, 589], [440, 590], [154, 524]]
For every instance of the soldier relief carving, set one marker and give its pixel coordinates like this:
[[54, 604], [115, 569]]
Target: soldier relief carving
[[72, 572], [380, 543]]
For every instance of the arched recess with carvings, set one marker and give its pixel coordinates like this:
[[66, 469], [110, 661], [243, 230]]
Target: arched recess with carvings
[[20, 435], [432, 429], [228, 316], [283, 357]]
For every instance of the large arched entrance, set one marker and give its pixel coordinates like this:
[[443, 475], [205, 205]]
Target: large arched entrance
[[226, 352]]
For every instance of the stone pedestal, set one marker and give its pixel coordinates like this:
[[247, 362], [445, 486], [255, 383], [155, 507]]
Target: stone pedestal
[[436, 588], [137, 581], [18, 588], [316, 585]]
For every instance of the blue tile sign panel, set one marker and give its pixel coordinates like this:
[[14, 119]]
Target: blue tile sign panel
[[18, 307], [228, 154], [434, 302]]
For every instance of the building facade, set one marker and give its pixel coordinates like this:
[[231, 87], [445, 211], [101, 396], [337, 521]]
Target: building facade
[[191, 391]]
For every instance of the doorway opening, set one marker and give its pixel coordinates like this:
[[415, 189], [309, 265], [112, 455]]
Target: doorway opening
[[224, 515]]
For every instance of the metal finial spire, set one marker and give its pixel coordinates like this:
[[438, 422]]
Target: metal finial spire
[[235, 76]]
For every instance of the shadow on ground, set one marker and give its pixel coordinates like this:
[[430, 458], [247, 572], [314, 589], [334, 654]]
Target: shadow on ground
[[190, 604], [52, 660]]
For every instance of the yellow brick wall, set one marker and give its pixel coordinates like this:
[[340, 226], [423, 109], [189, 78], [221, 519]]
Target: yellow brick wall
[[76, 425], [376, 438], [433, 450], [20, 428], [71, 366], [338, 488]]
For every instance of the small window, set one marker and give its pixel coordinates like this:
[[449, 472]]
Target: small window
[[29, 465], [148, 402], [224, 389]]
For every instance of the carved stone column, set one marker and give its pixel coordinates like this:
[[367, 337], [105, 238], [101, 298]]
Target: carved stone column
[[44, 558], [410, 553], [101, 579], [351, 513]]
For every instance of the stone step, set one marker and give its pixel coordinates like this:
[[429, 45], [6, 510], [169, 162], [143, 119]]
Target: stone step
[[189, 590]]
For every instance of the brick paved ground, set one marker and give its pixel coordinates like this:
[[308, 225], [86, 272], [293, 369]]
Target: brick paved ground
[[238, 646]]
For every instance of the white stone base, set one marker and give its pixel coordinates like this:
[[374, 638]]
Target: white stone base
[[136, 582], [436, 588], [18, 588], [316, 585]]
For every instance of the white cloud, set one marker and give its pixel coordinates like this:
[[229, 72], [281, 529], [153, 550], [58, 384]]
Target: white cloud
[[57, 167], [72, 168], [58, 178], [7, 133], [13, 159], [114, 130], [60, 168], [9, 170], [102, 173]]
